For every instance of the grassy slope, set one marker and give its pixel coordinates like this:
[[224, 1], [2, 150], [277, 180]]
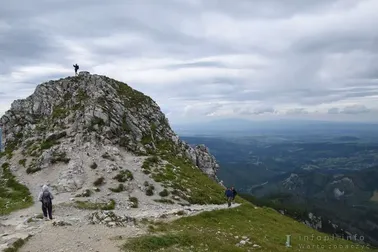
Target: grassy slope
[[13, 195], [216, 231], [187, 181]]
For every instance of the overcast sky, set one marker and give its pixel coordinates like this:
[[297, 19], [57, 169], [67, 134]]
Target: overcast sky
[[255, 59]]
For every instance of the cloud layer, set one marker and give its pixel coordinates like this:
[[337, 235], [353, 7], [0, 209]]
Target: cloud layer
[[203, 58]]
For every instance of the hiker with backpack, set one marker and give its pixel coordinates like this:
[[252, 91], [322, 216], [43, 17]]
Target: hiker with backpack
[[229, 194], [76, 66], [234, 193], [46, 197]]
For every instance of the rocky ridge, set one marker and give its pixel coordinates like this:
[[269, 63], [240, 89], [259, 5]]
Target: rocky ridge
[[93, 107]]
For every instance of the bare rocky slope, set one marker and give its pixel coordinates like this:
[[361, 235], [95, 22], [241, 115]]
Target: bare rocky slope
[[110, 158]]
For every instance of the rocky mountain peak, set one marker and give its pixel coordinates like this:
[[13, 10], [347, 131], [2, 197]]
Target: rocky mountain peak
[[88, 103], [92, 111]]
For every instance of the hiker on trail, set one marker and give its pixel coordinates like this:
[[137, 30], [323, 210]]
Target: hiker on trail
[[46, 197], [234, 193], [229, 196], [76, 66]]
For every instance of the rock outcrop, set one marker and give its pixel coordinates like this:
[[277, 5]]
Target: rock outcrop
[[110, 219]]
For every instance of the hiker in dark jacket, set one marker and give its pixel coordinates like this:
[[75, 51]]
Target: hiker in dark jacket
[[234, 193], [229, 196], [76, 66], [46, 197]]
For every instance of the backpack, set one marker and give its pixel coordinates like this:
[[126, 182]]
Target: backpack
[[46, 200], [234, 192]]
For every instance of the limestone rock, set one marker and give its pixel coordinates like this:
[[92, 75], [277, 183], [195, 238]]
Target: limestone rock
[[61, 223], [109, 218], [71, 179]]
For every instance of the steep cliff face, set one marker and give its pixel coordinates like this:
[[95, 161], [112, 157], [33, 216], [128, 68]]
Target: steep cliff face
[[95, 109]]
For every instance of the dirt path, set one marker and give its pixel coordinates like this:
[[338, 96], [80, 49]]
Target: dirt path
[[79, 238], [78, 234], [89, 230]]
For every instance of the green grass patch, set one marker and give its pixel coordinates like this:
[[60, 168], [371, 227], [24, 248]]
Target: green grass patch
[[95, 206], [152, 243], [189, 182], [149, 189], [82, 95], [131, 97], [124, 176], [17, 245], [33, 168], [98, 182], [47, 144], [60, 157], [13, 195], [145, 171], [149, 163], [33, 150], [9, 148], [22, 162], [135, 202], [67, 96], [119, 188], [217, 231], [59, 112], [96, 121], [164, 193]]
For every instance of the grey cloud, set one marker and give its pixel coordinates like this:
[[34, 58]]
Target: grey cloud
[[334, 43], [267, 8], [355, 109], [263, 110], [333, 111], [256, 111], [298, 72], [33, 33], [305, 96], [197, 64], [297, 111], [22, 45]]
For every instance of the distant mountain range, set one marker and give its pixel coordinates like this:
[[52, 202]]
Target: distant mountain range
[[242, 126], [330, 194]]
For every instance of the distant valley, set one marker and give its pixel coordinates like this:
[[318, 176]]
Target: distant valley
[[330, 173]]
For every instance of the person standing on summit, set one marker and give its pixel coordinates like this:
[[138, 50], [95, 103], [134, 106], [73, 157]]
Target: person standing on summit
[[46, 197], [76, 66]]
